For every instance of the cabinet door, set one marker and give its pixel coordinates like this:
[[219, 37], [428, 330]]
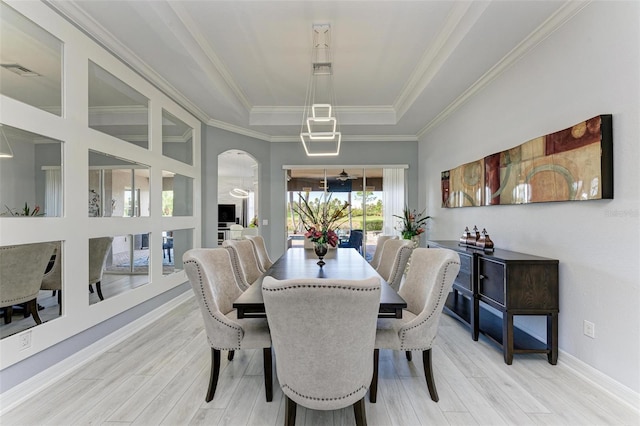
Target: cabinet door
[[491, 280]]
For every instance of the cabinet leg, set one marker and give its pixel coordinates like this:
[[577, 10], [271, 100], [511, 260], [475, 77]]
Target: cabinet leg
[[552, 338], [475, 318], [507, 337]]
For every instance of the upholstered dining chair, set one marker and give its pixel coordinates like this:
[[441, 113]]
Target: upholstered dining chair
[[245, 261], [261, 250], [375, 260], [355, 240], [214, 284], [393, 261], [425, 290], [21, 270], [98, 251], [52, 279], [323, 333], [236, 231]]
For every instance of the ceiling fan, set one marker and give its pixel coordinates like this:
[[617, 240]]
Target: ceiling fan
[[344, 176]]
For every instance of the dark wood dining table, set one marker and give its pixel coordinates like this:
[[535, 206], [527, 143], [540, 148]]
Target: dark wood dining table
[[341, 263]]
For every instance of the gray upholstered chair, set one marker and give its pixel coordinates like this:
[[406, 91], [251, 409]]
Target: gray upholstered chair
[[98, 251], [214, 284], [261, 250], [21, 270], [52, 279], [323, 334], [393, 261], [375, 260], [245, 261], [425, 290]]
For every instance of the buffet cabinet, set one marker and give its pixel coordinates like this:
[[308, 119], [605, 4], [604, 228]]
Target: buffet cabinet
[[493, 287]]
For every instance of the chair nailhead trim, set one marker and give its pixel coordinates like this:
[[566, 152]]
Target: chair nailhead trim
[[289, 287], [238, 329], [313, 398], [404, 331]]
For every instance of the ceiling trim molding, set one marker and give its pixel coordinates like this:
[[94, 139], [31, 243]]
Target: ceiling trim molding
[[347, 115], [222, 76], [92, 29], [355, 138], [567, 11], [458, 23], [237, 129]]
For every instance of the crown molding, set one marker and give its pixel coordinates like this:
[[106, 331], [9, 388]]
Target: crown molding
[[354, 138], [238, 129], [347, 115], [458, 23], [96, 32], [567, 11]]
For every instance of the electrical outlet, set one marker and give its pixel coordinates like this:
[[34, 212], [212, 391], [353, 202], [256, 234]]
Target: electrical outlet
[[25, 340], [589, 329]]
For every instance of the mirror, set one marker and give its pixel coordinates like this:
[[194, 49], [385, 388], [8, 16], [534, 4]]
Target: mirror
[[16, 283], [31, 62], [174, 244], [31, 178], [117, 187], [117, 264], [177, 194], [116, 109], [177, 139], [237, 186]]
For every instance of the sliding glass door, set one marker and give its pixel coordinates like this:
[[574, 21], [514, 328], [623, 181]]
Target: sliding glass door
[[364, 188]]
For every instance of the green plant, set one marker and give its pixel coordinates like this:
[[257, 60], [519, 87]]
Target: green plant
[[25, 211], [412, 223], [321, 218]]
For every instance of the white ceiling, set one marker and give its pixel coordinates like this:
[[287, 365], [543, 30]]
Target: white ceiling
[[399, 66]]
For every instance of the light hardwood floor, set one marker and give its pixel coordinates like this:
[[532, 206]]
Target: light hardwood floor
[[160, 375]]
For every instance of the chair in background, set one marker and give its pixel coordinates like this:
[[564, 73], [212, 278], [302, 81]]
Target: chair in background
[[425, 290], [167, 244], [323, 334], [98, 251], [245, 261], [261, 250], [393, 261], [355, 240], [213, 280], [236, 231], [21, 270], [52, 279], [376, 255], [246, 232]]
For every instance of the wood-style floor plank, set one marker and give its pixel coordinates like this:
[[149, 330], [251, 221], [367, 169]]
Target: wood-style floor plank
[[160, 375]]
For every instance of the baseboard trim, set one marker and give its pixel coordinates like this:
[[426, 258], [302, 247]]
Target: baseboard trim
[[616, 389], [39, 382]]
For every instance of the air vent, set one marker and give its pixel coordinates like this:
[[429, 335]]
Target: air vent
[[20, 70]]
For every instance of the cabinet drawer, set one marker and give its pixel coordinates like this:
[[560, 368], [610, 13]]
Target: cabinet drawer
[[464, 280], [491, 280]]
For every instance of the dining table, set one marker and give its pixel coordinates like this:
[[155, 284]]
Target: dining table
[[300, 263]]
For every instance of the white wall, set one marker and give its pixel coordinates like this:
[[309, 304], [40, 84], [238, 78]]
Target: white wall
[[590, 66]]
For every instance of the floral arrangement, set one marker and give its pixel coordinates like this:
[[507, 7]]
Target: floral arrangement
[[412, 223], [25, 211], [321, 219]]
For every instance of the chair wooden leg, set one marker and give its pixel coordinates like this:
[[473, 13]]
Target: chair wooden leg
[[428, 374], [8, 314], [361, 415], [215, 370], [268, 373], [90, 288], [230, 355], [373, 389], [409, 357], [99, 290], [290, 412], [59, 302], [33, 308]]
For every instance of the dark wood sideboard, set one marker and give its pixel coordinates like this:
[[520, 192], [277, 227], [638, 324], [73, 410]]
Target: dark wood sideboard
[[492, 287]]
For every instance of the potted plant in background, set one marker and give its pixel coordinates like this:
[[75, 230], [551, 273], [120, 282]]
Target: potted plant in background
[[412, 224], [321, 219]]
